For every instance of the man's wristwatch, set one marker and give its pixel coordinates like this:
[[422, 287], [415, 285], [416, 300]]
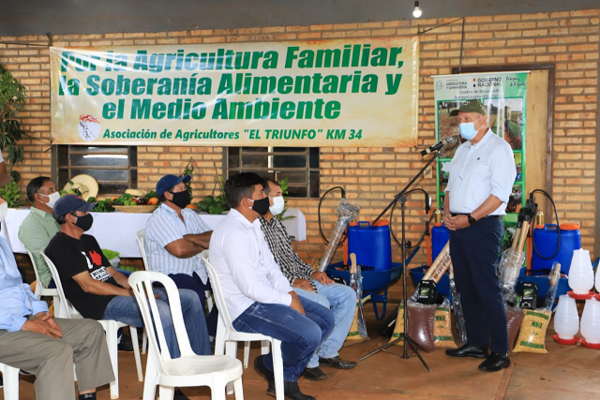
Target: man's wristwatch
[[472, 221]]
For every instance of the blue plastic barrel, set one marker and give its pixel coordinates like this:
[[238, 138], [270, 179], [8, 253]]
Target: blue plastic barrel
[[371, 244], [546, 240], [439, 237]]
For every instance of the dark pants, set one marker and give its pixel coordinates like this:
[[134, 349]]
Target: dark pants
[[300, 335], [474, 252], [184, 281]]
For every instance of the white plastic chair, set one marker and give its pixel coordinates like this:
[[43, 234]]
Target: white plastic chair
[[190, 369], [110, 328], [40, 290], [11, 381], [227, 336]]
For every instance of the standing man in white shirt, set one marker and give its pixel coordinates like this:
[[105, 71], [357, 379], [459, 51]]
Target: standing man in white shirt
[[257, 295], [482, 173]]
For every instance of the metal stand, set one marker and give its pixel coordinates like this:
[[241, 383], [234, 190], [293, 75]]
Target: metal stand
[[404, 336]]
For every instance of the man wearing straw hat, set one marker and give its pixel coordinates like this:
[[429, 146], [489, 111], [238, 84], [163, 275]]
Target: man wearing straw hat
[[482, 173]]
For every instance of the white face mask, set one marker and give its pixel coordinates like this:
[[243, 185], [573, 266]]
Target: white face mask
[[53, 198], [278, 205], [3, 211]]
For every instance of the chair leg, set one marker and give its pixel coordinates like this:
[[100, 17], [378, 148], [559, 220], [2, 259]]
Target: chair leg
[[151, 378], [278, 369], [246, 354], [113, 350], [238, 389], [11, 383], [216, 392], [264, 347], [166, 392], [136, 351], [231, 351]]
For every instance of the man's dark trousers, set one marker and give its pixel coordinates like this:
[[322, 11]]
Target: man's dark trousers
[[474, 251]]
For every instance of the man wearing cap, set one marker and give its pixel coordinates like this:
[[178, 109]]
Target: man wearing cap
[[98, 291], [39, 227], [175, 237], [30, 339], [482, 173]]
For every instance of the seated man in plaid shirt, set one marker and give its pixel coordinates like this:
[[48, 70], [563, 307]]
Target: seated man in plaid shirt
[[310, 284]]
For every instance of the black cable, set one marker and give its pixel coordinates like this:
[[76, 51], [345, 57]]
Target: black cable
[[319, 213], [427, 208], [557, 224]]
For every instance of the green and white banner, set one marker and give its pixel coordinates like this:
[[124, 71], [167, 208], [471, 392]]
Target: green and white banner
[[351, 92], [504, 95]]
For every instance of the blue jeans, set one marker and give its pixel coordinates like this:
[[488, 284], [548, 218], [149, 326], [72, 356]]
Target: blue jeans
[[125, 309], [300, 335], [342, 301]]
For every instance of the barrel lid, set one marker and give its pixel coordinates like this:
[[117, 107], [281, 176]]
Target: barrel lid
[[569, 227], [381, 222], [437, 224]]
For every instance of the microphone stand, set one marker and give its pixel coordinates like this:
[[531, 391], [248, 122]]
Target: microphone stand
[[404, 336]]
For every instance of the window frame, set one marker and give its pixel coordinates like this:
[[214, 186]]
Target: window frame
[[132, 168], [278, 173]]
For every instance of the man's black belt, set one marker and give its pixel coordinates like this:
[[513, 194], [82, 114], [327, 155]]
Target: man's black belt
[[487, 216]]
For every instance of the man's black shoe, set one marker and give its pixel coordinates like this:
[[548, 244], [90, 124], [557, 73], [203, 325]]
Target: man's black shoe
[[468, 351], [314, 374], [495, 362], [125, 343], [261, 368], [292, 392], [337, 362]]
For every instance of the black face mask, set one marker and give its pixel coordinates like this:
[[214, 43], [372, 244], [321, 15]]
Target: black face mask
[[261, 206], [85, 222], [181, 199]]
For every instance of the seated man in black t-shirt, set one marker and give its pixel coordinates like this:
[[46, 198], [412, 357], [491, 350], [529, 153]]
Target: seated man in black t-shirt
[[98, 291]]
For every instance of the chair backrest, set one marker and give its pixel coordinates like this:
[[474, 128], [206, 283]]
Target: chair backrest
[[67, 310], [140, 236], [217, 292], [141, 283], [39, 287]]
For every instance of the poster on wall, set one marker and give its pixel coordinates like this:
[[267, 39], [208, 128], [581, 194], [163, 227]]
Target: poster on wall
[[345, 92], [503, 94]]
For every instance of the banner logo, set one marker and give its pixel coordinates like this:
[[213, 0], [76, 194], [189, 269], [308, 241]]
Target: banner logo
[[89, 128]]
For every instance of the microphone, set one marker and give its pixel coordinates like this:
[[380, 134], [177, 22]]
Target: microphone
[[439, 145]]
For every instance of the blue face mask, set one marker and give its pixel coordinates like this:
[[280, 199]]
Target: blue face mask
[[467, 129]]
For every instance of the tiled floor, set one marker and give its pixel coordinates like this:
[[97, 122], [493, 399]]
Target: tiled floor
[[565, 373]]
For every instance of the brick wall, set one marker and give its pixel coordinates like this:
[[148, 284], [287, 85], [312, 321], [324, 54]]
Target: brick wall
[[372, 176]]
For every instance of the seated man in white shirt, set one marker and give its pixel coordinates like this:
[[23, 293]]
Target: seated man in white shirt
[[257, 295], [175, 237]]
